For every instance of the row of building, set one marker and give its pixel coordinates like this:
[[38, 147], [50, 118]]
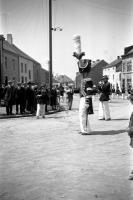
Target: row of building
[[119, 72], [17, 65]]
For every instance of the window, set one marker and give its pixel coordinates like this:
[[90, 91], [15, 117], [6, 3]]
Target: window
[[26, 79], [37, 74], [21, 67], [120, 77], [13, 64], [129, 66], [29, 74], [5, 62], [25, 68], [22, 79], [113, 76], [124, 67]]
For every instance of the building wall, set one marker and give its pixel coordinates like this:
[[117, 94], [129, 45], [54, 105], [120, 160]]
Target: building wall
[[96, 72], [26, 70], [44, 76], [37, 73], [127, 69], [114, 77], [10, 69]]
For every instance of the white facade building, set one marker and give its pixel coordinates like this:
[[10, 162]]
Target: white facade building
[[114, 73], [127, 69]]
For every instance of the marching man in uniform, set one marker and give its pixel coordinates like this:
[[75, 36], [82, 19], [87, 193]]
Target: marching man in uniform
[[86, 106]]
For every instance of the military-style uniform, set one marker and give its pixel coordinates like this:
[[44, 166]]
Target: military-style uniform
[[86, 106], [104, 90]]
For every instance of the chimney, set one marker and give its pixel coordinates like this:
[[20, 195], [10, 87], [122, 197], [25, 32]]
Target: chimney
[[9, 38]]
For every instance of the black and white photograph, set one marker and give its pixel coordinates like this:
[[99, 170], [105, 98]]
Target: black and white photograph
[[66, 99]]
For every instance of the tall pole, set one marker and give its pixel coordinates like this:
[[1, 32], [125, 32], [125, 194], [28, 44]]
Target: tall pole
[[1, 57], [50, 44]]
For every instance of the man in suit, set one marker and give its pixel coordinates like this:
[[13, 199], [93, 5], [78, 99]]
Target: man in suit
[[9, 98], [104, 90]]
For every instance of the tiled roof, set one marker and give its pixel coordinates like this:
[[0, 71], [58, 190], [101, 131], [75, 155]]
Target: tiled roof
[[8, 47], [114, 63], [97, 63], [131, 51], [14, 49], [22, 54]]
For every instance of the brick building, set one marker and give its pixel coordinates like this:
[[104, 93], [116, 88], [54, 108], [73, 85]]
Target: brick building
[[18, 66], [96, 73]]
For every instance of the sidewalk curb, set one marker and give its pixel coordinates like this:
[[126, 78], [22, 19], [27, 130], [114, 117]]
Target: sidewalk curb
[[4, 116]]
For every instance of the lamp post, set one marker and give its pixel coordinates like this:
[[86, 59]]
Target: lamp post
[[1, 57], [50, 43]]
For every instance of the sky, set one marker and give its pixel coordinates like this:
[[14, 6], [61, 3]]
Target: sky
[[105, 27]]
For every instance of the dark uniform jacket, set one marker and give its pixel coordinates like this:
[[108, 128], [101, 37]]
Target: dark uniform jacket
[[87, 92], [104, 90], [42, 98]]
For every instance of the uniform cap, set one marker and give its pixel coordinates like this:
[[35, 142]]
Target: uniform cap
[[105, 77]]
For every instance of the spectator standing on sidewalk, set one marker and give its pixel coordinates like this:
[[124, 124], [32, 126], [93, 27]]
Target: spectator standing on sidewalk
[[30, 99], [1, 93], [23, 96], [53, 98], [69, 92], [104, 90], [86, 106], [61, 88], [41, 102], [8, 97], [113, 92], [118, 91], [17, 97], [123, 92]]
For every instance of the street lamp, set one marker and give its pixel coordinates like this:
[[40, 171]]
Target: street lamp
[[50, 42], [1, 56], [57, 29]]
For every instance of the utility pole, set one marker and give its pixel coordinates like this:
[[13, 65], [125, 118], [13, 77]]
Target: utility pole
[[50, 45], [1, 57]]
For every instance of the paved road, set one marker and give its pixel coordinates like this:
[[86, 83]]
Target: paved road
[[47, 159]]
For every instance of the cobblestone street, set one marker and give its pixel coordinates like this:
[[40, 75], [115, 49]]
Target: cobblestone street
[[47, 159]]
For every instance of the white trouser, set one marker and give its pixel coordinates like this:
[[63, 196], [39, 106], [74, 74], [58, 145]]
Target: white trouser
[[104, 112], [113, 95], [123, 96], [83, 116], [131, 107], [40, 110]]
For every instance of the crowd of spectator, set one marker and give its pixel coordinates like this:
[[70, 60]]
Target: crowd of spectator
[[24, 97]]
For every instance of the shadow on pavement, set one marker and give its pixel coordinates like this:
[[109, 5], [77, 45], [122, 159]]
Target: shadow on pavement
[[119, 119], [109, 132]]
